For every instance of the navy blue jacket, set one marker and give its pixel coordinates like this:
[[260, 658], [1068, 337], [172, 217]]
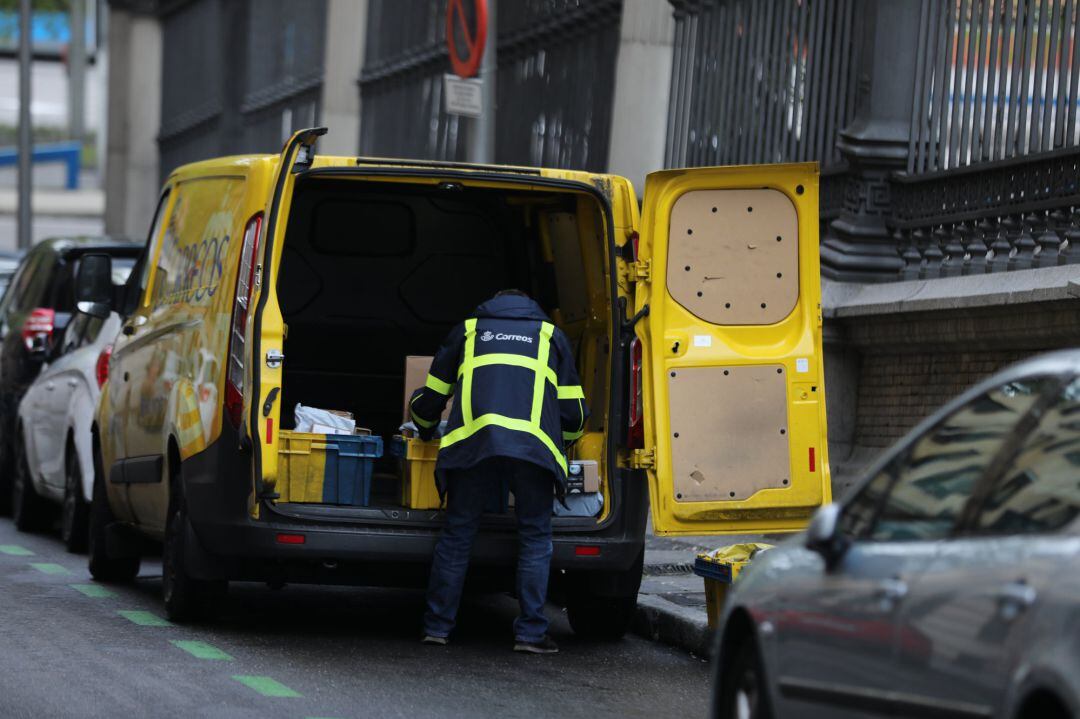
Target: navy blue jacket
[[515, 387]]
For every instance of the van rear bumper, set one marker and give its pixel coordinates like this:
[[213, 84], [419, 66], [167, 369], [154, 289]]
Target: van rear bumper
[[253, 552], [227, 543]]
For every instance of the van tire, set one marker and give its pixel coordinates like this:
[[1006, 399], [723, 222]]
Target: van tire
[[75, 514], [104, 568], [186, 598], [607, 618], [28, 510]]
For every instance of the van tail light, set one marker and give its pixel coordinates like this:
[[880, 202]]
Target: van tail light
[[245, 281], [101, 370], [39, 323], [635, 242], [635, 434]]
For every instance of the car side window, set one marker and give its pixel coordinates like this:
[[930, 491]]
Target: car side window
[[20, 290], [73, 333], [920, 494], [91, 331], [1040, 490], [40, 279]]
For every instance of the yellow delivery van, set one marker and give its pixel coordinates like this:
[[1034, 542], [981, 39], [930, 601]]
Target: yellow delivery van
[[275, 280]]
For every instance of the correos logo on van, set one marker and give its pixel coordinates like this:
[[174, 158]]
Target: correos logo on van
[[488, 335]]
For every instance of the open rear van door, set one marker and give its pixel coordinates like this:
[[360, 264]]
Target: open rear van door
[[266, 334], [733, 385]]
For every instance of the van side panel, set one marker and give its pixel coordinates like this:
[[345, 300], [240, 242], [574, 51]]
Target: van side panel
[[174, 362]]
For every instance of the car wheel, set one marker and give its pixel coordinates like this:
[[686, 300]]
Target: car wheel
[[593, 617], [75, 513], [103, 567], [744, 693], [28, 509], [186, 598]]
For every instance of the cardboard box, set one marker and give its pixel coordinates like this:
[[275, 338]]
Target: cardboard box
[[416, 372]]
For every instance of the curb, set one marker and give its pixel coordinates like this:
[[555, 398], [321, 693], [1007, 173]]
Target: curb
[[659, 620]]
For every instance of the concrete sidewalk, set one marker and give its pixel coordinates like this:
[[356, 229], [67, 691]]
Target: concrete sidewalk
[[671, 602]]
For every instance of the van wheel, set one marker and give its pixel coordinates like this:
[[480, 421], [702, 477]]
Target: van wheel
[[186, 598], [28, 509], [74, 516], [103, 567], [743, 691], [595, 617]]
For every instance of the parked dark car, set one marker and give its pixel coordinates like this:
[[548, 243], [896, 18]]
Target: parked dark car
[[947, 584], [9, 262], [36, 306]]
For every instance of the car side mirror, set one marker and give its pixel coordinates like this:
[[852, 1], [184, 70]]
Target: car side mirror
[[94, 286], [823, 535]]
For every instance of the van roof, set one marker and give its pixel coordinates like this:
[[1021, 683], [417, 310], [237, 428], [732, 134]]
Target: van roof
[[243, 163]]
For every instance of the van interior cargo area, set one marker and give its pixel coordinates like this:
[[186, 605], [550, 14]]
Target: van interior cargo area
[[374, 271]]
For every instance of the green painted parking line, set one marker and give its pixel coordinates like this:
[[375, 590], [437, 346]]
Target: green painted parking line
[[201, 650], [15, 550], [144, 618], [49, 568], [93, 590], [266, 686]]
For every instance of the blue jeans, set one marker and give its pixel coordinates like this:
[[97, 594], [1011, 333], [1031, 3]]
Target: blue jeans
[[467, 492]]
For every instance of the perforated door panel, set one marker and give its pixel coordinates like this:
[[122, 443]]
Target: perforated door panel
[[714, 410], [733, 255]]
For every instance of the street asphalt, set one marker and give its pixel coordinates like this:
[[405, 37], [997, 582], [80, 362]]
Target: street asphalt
[[70, 647]]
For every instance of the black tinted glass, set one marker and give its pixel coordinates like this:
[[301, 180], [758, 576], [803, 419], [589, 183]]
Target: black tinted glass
[[1040, 492], [859, 512], [934, 479], [92, 330]]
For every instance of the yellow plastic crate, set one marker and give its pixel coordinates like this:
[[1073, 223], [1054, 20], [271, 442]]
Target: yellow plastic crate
[[418, 489], [720, 568], [326, 468]]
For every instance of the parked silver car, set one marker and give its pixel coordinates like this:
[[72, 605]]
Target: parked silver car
[[947, 584]]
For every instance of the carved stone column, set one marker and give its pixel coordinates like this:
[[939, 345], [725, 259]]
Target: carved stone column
[[858, 245]]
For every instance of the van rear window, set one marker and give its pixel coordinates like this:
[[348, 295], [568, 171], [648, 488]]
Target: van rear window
[[363, 228]]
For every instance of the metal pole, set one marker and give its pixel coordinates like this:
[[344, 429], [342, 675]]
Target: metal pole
[[77, 71], [482, 129], [25, 140]]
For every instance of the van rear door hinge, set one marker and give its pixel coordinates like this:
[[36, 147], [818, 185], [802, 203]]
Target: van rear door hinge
[[641, 271], [643, 459]]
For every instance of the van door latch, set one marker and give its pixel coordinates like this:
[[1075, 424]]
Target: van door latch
[[274, 358], [642, 459]]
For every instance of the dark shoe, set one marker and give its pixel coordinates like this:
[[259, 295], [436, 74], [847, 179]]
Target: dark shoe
[[546, 645], [434, 640]]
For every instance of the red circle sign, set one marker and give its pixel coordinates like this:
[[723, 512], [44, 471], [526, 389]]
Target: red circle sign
[[474, 38]]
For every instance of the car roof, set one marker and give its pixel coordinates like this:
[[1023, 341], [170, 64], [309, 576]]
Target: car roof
[[85, 244]]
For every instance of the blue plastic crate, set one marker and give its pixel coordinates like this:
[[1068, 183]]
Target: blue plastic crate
[[348, 470]]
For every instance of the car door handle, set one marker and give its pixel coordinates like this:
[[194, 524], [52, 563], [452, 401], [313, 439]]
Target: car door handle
[[1015, 597], [891, 590], [73, 383], [50, 386]]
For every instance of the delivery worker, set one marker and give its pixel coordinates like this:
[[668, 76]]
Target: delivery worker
[[517, 406]]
